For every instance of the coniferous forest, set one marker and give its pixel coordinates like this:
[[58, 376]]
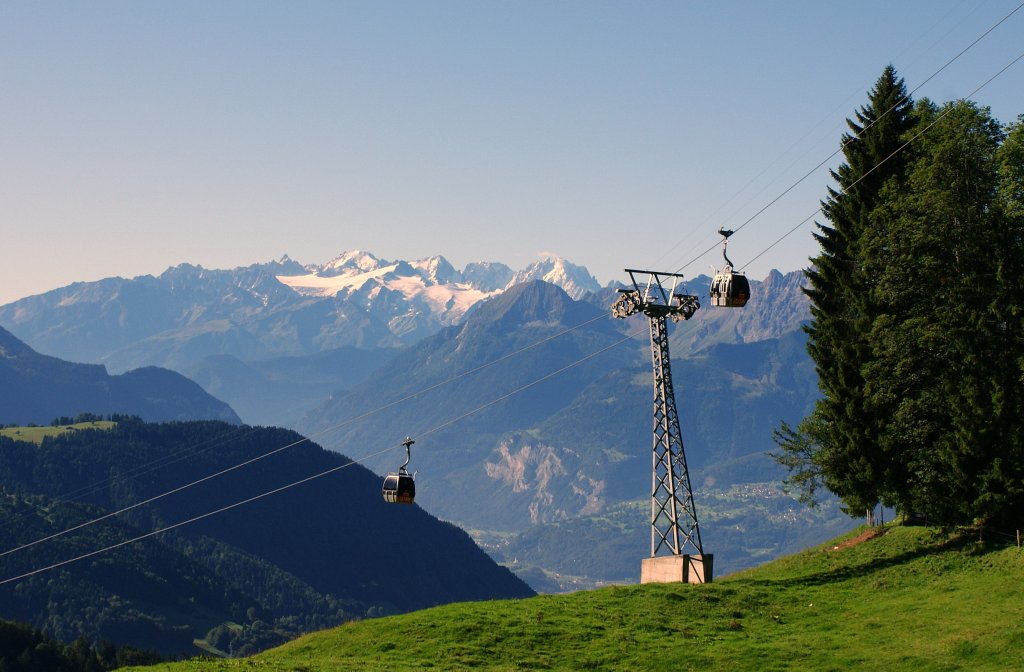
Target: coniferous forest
[[916, 329], [25, 649]]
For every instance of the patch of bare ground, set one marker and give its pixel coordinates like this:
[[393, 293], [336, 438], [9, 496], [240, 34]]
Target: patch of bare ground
[[866, 535]]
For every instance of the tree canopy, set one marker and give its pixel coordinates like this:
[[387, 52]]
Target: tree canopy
[[916, 319]]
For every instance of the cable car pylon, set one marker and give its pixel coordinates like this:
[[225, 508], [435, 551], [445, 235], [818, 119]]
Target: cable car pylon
[[674, 526]]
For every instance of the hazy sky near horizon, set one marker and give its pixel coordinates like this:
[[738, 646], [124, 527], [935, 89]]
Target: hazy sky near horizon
[[135, 136]]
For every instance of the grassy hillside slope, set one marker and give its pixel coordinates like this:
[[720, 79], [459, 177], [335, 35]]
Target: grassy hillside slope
[[907, 599]]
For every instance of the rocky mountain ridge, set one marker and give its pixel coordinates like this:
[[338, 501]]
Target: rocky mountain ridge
[[280, 308], [274, 339], [571, 449]]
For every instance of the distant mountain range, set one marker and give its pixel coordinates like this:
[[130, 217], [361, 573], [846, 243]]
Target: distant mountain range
[[265, 310], [275, 339], [38, 389], [482, 458], [270, 339], [554, 449]]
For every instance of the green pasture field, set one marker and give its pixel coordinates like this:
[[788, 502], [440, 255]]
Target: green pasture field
[[907, 599], [37, 434]]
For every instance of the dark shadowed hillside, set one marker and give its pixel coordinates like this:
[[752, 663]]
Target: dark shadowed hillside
[[304, 558], [38, 388]]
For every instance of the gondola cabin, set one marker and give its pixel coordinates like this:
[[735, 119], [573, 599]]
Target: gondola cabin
[[399, 488], [729, 289]]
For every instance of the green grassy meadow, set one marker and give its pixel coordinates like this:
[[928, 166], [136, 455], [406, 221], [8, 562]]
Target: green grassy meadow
[[37, 434], [907, 599]]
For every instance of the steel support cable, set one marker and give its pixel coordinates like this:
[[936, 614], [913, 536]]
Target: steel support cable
[[307, 479], [880, 163], [182, 523], [539, 380], [464, 374], [629, 336], [768, 167], [154, 498], [470, 372], [300, 441], [843, 145]]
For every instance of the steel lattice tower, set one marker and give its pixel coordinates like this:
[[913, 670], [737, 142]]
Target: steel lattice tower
[[673, 515]]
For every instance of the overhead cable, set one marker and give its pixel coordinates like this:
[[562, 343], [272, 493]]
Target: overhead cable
[[322, 432], [142, 469], [470, 372], [844, 144], [307, 479], [880, 163]]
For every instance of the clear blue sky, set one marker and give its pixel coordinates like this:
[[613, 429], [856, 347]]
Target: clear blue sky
[[139, 135]]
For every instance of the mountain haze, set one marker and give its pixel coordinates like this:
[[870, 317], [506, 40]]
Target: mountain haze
[[229, 328], [265, 310], [520, 318], [573, 452], [38, 388], [531, 406]]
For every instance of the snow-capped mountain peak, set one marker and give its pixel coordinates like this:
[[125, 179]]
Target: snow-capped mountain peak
[[351, 271], [355, 262], [437, 270], [487, 276], [575, 280], [429, 289]]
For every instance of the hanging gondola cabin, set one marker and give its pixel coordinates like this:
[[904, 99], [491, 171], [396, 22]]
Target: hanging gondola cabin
[[729, 289], [399, 487]]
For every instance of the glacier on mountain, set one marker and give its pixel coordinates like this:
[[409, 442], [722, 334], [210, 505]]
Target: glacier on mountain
[[432, 284], [445, 287]]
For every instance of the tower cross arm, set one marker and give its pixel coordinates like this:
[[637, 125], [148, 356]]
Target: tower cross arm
[[655, 294]]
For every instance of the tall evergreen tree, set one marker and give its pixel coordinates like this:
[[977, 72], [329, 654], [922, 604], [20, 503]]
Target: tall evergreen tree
[[918, 318], [1005, 479], [944, 343], [841, 426]]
